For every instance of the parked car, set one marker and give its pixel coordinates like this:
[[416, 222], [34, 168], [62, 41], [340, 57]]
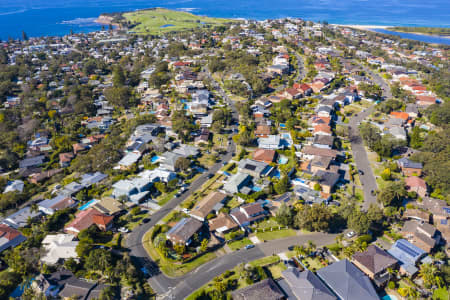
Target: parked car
[[123, 229], [250, 246], [360, 172], [350, 234], [146, 220]]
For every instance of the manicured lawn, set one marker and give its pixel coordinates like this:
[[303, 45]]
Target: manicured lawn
[[312, 263], [268, 223], [173, 268], [239, 244], [276, 234], [160, 20], [276, 270], [265, 261], [166, 197]]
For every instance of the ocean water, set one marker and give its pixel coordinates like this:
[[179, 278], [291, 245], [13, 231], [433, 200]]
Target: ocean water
[[418, 37], [58, 17]]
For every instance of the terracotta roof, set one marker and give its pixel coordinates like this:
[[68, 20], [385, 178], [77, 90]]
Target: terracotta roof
[[264, 155], [322, 128], [400, 115], [101, 219], [262, 130], [8, 232], [206, 205], [415, 181]]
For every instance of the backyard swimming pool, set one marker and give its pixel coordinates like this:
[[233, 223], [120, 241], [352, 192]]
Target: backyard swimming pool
[[88, 204], [389, 297], [154, 159]]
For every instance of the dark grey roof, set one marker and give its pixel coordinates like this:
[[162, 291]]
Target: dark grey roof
[[185, 229], [76, 287], [306, 285], [374, 259], [323, 140], [266, 289], [347, 281], [327, 178]]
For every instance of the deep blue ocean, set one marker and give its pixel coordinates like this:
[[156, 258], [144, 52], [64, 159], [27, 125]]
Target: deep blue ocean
[[58, 17]]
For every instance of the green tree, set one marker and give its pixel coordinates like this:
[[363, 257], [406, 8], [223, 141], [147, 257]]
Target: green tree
[[314, 218], [392, 194], [284, 216], [282, 186]]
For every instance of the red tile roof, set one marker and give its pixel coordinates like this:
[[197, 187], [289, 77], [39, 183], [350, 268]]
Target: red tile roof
[[415, 181]]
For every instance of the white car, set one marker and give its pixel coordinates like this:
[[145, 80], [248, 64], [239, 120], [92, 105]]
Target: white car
[[350, 234], [123, 230]]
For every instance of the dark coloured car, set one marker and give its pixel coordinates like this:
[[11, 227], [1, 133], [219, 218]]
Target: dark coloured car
[[146, 220], [360, 172]]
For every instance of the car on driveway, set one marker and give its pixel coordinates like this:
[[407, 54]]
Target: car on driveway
[[250, 246], [123, 229], [360, 172], [350, 234]]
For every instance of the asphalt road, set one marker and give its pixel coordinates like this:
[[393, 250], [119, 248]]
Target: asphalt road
[[367, 179]]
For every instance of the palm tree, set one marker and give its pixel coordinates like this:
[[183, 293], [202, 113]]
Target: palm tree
[[300, 250], [428, 273], [311, 246]]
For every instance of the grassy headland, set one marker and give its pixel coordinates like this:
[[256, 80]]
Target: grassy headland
[[440, 31], [160, 20]]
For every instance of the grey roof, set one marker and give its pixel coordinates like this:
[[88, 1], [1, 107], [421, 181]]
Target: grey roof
[[374, 259], [92, 178], [32, 162], [235, 181], [76, 287], [323, 140], [405, 252], [328, 178], [185, 229], [20, 218], [306, 285], [406, 163], [186, 151], [253, 167], [266, 289], [347, 281]]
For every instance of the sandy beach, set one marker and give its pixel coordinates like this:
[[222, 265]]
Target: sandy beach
[[364, 27]]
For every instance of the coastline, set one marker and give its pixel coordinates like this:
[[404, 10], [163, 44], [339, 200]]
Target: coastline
[[363, 27]]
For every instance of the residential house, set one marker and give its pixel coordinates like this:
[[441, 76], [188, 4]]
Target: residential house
[[264, 155], [133, 190], [292, 93], [223, 223], [398, 132], [416, 184], [407, 254], [89, 179], [237, 183], [182, 232], [51, 284], [32, 162], [61, 201], [272, 142], [322, 129], [65, 159], [324, 111], [109, 206], [213, 202], [375, 262], [422, 235], [306, 285], [14, 186], [86, 218], [81, 289], [21, 217], [309, 152], [347, 281], [59, 247], [10, 237], [409, 167], [128, 160], [412, 110], [327, 180], [158, 174], [323, 141], [248, 213], [310, 196], [254, 168], [416, 214], [266, 289], [424, 101], [168, 161], [187, 151], [262, 131]]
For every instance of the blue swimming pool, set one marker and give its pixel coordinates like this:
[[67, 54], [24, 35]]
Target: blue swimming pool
[[88, 204], [256, 189], [283, 160], [389, 297], [154, 159]]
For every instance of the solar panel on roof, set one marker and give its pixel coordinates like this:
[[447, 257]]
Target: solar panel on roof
[[407, 249], [250, 167], [446, 209]]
